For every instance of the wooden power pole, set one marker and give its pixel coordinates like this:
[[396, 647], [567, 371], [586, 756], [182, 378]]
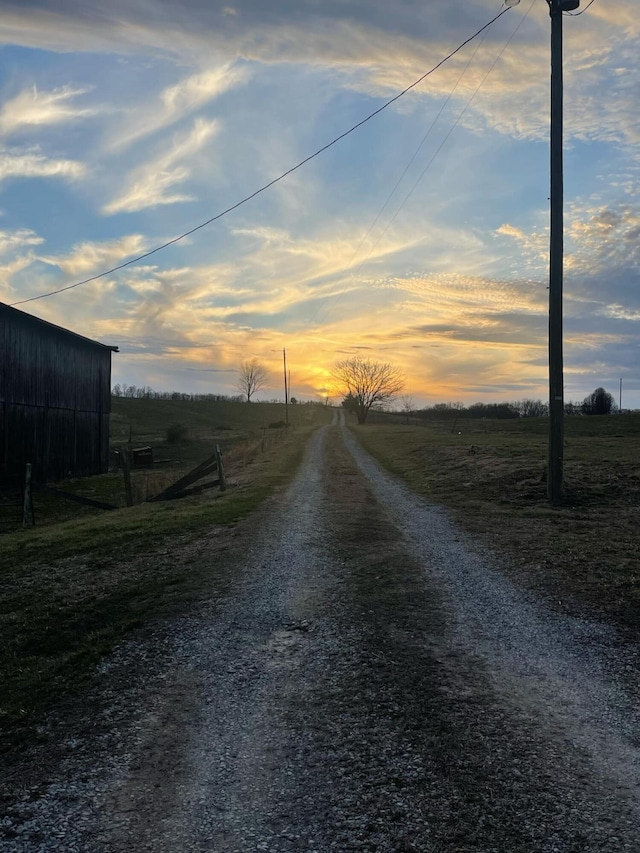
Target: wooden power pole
[[555, 473]]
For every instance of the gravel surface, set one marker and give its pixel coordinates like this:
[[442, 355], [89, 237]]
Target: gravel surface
[[573, 671], [369, 681]]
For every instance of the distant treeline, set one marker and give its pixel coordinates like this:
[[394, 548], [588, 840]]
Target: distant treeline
[[144, 392], [600, 402], [524, 408]]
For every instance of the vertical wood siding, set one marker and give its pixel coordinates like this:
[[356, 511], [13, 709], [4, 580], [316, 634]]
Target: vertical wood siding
[[55, 400]]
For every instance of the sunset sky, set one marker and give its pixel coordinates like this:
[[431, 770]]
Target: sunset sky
[[126, 123]]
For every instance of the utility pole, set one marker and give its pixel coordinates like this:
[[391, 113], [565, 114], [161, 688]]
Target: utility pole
[[286, 388], [556, 256], [620, 403]]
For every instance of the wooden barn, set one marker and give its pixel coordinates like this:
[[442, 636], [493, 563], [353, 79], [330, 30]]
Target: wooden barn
[[55, 399]]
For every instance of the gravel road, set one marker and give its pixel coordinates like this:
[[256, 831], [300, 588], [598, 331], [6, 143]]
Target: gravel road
[[368, 680]]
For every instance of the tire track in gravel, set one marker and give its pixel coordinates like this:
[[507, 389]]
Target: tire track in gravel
[[365, 684], [572, 671]]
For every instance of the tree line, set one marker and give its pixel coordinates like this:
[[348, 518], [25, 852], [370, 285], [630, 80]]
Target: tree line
[[599, 402], [145, 392], [366, 384]]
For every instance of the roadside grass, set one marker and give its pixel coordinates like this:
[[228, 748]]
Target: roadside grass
[[69, 592], [238, 428], [491, 474]]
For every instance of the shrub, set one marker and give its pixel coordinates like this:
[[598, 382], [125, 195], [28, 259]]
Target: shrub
[[176, 432], [600, 402]]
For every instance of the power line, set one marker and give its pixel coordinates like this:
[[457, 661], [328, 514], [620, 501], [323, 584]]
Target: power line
[[577, 14], [446, 137], [354, 273], [275, 180], [437, 151], [415, 154]]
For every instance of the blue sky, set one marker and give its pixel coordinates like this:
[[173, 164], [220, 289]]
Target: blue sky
[[126, 124]]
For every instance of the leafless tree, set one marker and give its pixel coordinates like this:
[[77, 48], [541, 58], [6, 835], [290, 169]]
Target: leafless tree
[[531, 408], [253, 376], [367, 383], [408, 406]]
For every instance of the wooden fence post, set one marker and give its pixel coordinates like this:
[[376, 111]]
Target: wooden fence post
[[126, 471], [27, 508], [223, 482]]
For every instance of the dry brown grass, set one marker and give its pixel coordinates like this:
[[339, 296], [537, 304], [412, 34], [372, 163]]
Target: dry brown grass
[[584, 554]]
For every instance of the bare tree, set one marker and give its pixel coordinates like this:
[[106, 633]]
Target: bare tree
[[367, 383], [531, 408], [408, 406], [253, 376]]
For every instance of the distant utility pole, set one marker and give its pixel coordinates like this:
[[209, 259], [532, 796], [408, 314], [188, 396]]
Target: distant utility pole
[[556, 256], [620, 403]]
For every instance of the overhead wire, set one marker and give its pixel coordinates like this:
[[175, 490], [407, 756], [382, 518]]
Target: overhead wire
[[350, 276], [581, 12], [271, 183], [356, 272], [416, 152], [446, 137]]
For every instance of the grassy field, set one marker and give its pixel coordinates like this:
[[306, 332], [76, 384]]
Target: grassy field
[[491, 474], [69, 591], [206, 421]]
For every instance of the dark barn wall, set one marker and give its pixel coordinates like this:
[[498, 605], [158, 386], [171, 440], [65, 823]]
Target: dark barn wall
[[55, 399]]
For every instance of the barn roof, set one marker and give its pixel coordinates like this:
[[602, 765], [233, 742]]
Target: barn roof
[[6, 311]]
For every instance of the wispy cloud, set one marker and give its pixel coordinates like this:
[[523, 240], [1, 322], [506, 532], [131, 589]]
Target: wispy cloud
[[33, 164], [91, 257], [179, 100], [371, 46], [153, 183], [511, 231], [532, 246], [33, 108], [10, 241], [17, 248]]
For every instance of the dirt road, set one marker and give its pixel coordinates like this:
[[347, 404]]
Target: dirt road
[[368, 680]]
